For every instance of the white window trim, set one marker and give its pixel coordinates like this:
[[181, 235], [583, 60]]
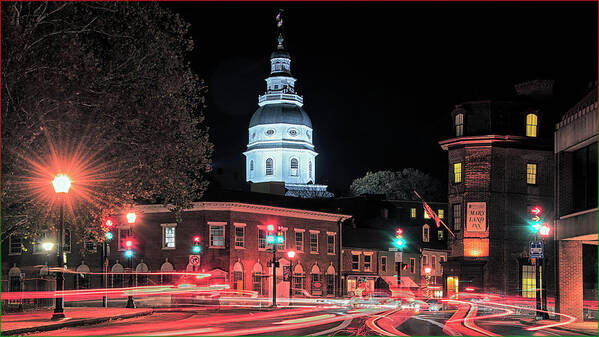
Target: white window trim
[[215, 224], [163, 227], [262, 228], [317, 242], [236, 225], [386, 264], [352, 260], [299, 230], [10, 253], [334, 235], [364, 263], [303, 247]]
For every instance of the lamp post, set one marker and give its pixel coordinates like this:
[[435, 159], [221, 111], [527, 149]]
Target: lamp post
[[291, 255], [61, 184], [131, 216]]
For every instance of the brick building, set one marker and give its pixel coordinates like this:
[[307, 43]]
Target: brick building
[[232, 231], [500, 165], [576, 204]]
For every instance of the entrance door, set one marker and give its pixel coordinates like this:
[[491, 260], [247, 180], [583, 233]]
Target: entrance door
[[452, 287]]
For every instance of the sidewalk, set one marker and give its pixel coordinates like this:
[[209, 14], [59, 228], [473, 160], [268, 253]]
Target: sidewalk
[[585, 328], [25, 322]]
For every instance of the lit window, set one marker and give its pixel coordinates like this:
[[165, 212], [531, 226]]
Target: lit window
[[313, 242], [531, 174], [239, 236], [15, 244], [440, 235], [426, 216], [355, 262], [412, 212], [531, 125], [299, 241], [217, 236], [168, 236], [459, 125], [457, 216], [330, 244], [528, 281], [294, 166], [383, 264], [269, 169], [367, 262], [261, 239], [425, 233], [441, 213], [457, 173]]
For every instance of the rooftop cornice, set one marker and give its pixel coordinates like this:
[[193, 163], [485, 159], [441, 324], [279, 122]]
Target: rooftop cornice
[[491, 139]]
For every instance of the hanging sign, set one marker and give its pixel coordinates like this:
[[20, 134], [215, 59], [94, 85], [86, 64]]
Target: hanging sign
[[476, 217]]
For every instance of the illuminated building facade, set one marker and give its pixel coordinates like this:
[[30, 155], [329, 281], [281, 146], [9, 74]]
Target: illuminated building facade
[[576, 205], [500, 165], [280, 147]]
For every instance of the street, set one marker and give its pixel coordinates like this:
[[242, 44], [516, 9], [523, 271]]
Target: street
[[459, 318]]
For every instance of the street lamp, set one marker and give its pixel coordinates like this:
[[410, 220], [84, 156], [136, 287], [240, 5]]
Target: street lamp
[[131, 216], [291, 255], [61, 184]]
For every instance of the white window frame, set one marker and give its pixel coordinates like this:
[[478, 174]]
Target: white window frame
[[283, 246], [263, 230], [434, 263], [384, 258], [352, 261], [426, 233], [313, 232], [164, 226], [459, 125], [334, 236], [10, 243], [369, 267], [294, 172], [242, 226], [214, 225], [300, 249], [272, 168]]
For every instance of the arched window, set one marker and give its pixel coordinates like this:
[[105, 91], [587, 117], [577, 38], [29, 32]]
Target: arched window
[[298, 279], [82, 279], [258, 279], [251, 168], [269, 169], [310, 170], [294, 166], [316, 280], [459, 125], [166, 268], [142, 279], [425, 233], [238, 276], [331, 285], [531, 125], [117, 275]]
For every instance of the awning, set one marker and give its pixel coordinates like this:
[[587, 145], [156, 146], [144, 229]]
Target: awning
[[406, 282]]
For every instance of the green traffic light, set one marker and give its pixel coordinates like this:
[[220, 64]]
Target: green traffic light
[[270, 239], [535, 226], [108, 236], [399, 243], [196, 249]]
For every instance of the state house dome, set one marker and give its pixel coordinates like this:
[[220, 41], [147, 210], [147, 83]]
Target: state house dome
[[287, 113]]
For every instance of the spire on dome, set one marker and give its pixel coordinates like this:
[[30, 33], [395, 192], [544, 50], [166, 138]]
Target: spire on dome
[[280, 38]]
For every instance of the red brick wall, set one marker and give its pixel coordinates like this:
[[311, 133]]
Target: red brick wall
[[570, 278]]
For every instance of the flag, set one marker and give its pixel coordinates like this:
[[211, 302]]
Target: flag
[[431, 213], [279, 19]]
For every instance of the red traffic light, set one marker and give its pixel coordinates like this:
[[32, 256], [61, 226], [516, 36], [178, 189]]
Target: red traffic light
[[196, 239], [129, 243], [108, 223], [270, 228], [399, 231], [544, 230], [536, 210]]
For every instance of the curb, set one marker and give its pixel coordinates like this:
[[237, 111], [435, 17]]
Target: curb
[[74, 323]]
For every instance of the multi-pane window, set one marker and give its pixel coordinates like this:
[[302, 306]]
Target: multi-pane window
[[426, 215], [330, 284], [531, 174], [261, 239], [257, 284], [269, 165], [313, 242], [459, 125], [412, 212], [168, 238], [424, 261], [282, 245], [16, 245], [440, 235], [412, 265], [238, 279], [331, 244], [367, 262], [298, 284], [383, 264], [90, 246], [433, 262], [457, 173], [299, 241], [457, 216], [239, 236], [441, 213], [217, 236], [531, 125], [425, 233], [294, 167], [528, 281], [355, 262]]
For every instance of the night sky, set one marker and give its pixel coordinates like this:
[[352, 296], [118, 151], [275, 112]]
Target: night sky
[[379, 80]]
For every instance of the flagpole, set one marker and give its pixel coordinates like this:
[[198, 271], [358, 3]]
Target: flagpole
[[419, 197]]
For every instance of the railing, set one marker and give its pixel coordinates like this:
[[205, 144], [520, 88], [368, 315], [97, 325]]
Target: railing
[[275, 97]]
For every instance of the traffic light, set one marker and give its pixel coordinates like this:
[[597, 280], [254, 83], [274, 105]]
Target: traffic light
[[404, 266], [108, 224], [399, 241], [195, 246], [535, 217], [280, 237], [544, 231]]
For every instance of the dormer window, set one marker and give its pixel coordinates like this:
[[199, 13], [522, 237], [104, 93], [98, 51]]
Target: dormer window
[[269, 167], [459, 125], [531, 125], [294, 166]]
